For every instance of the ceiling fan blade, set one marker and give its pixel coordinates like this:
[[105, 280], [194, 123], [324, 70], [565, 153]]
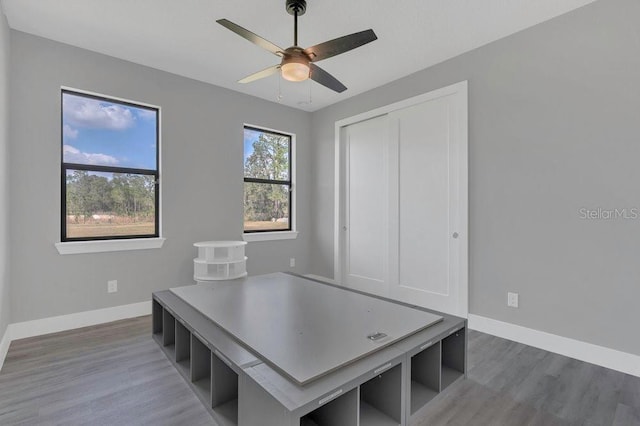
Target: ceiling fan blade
[[321, 76], [253, 38], [339, 45], [260, 74]]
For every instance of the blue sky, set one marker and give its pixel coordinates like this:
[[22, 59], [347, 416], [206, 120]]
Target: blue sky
[[107, 133], [250, 136]]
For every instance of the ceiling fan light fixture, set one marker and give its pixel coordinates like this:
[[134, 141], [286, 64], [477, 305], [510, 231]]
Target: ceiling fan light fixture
[[295, 69]]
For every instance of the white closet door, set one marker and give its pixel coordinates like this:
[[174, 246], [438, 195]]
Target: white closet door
[[425, 268], [402, 201], [365, 223]]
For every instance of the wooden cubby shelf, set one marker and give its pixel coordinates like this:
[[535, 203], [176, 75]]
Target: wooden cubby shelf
[[183, 349], [390, 387], [224, 389], [425, 376], [342, 410], [453, 358], [157, 319], [201, 368], [381, 399], [168, 333]]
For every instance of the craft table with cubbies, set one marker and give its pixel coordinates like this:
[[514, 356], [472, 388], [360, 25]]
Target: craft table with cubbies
[[266, 351]]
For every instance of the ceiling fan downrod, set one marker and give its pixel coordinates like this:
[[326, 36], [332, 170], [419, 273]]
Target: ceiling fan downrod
[[296, 8]]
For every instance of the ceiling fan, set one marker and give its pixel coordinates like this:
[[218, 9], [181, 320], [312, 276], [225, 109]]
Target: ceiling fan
[[298, 64]]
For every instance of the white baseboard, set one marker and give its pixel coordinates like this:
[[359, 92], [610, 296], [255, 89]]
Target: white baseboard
[[321, 278], [588, 352], [22, 330], [4, 346]]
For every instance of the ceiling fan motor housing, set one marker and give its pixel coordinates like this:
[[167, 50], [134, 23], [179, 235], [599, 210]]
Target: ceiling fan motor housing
[[296, 6]]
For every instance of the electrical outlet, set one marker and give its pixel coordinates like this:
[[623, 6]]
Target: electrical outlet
[[292, 262], [112, 286], [512, 300]]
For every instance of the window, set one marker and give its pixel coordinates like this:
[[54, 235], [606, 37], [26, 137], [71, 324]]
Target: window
[[110, 177], [267, 181]]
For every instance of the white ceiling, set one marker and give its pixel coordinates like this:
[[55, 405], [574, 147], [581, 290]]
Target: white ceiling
[[182, 37]]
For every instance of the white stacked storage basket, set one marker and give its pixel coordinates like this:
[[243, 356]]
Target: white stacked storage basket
[[220, 260]]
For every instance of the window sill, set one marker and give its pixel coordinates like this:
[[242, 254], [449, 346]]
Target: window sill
[[79, 247], [270, 236]]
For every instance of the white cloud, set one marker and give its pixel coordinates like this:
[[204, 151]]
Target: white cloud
[[92, 113], [69, 132], [74, 155]]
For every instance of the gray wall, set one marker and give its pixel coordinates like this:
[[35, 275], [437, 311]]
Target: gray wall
[[554, 127], [202, 188], [4, 175]]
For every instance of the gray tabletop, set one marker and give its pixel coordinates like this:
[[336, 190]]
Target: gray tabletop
[[303, 328]]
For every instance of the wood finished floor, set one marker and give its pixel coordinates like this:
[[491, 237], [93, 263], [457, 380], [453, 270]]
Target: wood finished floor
[[115, 374]]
